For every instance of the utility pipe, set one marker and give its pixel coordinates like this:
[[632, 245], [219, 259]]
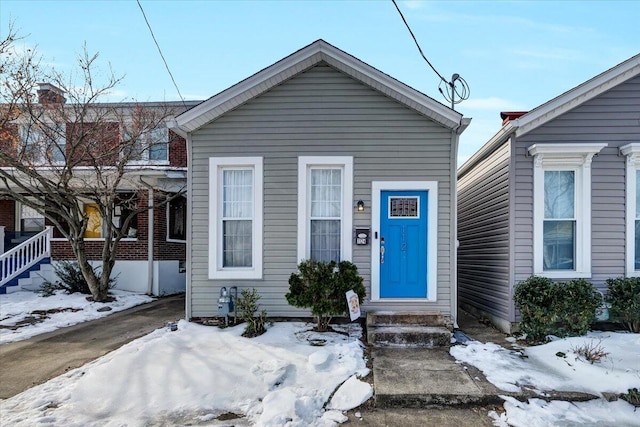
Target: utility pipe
[[149, 236]]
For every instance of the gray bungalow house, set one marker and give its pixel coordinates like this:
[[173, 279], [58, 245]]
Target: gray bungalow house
[[289, 163], [555, 193]]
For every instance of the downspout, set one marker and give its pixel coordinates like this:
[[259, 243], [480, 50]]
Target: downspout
[[455, 138], [149, 236]]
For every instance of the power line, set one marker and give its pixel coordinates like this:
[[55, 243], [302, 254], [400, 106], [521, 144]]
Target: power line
[[161, 55], [416, 42], [450, 91]]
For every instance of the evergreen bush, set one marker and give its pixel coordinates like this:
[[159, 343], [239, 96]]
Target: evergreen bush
[[248, 308], [624, 297], [71, 279], [549, 308], [321, 287]]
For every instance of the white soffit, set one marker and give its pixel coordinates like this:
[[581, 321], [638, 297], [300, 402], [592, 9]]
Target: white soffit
[[302, 60], [578, 95]]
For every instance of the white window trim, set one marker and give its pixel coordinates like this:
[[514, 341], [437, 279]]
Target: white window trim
[[216, 165], [168, 214], [632, 151], [567, 157], [432, 235], [304, 203]]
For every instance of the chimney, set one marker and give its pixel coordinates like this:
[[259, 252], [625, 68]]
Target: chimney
[[50, 94], [507, 116]]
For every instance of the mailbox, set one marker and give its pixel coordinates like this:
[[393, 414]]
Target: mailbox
[[362, 236]]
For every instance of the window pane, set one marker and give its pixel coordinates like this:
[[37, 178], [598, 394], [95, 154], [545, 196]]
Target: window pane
[[638, 194], [30, 219], [158, 151], [559, 194], [178, 218], [94, 221], [325, 240], [237, 243], [559, 245], [237, 194], [326, 193]]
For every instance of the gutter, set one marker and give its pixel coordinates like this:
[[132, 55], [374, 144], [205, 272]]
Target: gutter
[[149, 236]]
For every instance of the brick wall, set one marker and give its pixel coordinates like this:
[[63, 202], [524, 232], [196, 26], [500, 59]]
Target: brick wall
[[8, 215], [177, 150]]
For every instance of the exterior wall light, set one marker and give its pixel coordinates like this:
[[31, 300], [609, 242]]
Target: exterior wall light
[[360, 206]]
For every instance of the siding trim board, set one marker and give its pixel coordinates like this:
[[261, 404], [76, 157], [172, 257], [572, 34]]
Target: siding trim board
[[632, 153]]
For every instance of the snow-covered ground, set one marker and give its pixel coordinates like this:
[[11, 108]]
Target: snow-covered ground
[[557, 366], [201, 375], [27, 314], [198, 373]]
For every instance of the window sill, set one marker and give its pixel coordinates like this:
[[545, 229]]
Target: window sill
[[235, 274], [565, 274], [176, 241]]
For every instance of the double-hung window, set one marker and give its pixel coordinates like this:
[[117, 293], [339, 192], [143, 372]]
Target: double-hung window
[[324, 208], [235, 217], [632, 153], [148, 147], [43, 145], [562, 208]]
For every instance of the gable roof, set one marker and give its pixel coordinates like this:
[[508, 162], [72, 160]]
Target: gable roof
[[302, 60], [557, 106]]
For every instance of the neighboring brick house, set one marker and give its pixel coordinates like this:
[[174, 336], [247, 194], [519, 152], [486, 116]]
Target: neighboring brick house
[[151, 259]]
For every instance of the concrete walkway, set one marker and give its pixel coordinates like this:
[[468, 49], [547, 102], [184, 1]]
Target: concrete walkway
[[27, 363], [427, 387]]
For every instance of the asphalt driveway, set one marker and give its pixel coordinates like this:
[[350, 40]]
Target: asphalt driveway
[[27, 363]]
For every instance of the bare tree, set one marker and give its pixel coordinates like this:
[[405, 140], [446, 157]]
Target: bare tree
[[63, 148]]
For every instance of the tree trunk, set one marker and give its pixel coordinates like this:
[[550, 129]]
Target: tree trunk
[[87, 271]]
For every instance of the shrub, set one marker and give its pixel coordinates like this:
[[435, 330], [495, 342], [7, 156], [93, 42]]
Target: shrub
[[632, 396], [321, 287], [624, 297], [71, 279], [575, 305], [534, 298], [248, 306], [592, 352], [548, 308]]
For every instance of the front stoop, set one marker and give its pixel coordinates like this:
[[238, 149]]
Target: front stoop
[[408, 329]]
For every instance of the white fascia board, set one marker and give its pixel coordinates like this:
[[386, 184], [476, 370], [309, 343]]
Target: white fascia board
[[298, 62], [578, 95]]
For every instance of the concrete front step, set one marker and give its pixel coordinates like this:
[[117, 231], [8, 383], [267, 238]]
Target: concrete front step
[[412, 329], [389, 318], [409, 336]]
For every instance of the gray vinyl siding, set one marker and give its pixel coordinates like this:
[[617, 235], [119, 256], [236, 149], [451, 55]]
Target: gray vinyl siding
[[612, 118], [483, 233], [320, 112]]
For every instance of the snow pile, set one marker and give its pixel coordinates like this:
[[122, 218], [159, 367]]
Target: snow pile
[[54, 312], [538, 413], [198, 373], [542, 369]]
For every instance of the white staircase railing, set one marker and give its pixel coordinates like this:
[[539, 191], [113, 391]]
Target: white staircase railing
[[22, 257]]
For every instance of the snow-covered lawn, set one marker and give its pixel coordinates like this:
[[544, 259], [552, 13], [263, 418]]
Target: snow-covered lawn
[[557, 366], [27, 314], [198, 373]]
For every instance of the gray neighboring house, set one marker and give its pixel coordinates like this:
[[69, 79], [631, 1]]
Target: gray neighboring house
[[287, 164], [554, 193]]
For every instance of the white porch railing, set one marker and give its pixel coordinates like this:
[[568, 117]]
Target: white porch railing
[[16, 260]]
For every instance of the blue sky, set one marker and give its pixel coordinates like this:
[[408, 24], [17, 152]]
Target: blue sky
[[514, 55]]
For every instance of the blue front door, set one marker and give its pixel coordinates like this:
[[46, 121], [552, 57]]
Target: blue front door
[[403, 244]]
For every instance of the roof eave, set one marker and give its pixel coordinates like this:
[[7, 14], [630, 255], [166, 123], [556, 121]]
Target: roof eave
[[496, 140], [300, 61]]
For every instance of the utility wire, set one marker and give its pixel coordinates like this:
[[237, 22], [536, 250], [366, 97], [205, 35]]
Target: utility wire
[[161, 55], [416, 42]]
